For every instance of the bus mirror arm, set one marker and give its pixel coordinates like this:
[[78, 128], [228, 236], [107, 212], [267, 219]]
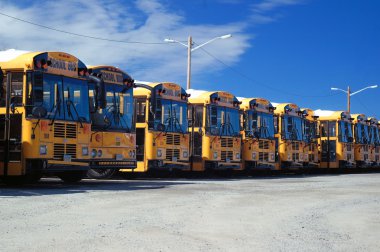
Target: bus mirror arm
[[101, 92]]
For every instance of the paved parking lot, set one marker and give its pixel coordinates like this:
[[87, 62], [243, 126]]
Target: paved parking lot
[[285, 213]]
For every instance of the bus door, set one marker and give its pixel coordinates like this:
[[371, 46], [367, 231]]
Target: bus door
[[10, 122], [196, 123], [140, 107]]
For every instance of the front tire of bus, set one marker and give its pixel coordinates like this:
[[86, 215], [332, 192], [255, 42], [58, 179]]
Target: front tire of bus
[[72, 176], [101, 173]]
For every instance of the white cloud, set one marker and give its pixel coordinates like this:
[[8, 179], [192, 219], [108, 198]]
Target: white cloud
[[143, 20], [262, 11]]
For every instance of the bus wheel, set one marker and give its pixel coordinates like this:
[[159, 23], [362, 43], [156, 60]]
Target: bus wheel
[[72, 176], [101, 173]]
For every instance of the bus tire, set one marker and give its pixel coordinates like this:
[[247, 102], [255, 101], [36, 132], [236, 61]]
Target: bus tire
[[101, 173], [71, 176]]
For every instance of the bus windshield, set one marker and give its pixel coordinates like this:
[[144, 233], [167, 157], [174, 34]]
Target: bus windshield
[[64, 98], [172, 114], [345, 132], [222, 121], [292, 128], [259, 124], [310, 130], [118, 114], [373, 135], [361, 133]]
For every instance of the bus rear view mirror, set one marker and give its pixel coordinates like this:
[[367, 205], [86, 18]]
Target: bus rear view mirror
[[39, 112]]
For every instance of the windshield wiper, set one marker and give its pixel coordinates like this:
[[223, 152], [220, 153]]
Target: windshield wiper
[[177, 125], [56, 107], [70, 103]]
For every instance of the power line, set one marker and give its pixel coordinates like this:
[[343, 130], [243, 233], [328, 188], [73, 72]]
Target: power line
[[81, 35], [267, 86]]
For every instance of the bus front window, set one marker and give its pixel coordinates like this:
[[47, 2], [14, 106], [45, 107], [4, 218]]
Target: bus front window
[[76, 99], [118, 114], [260, 125], [222, 121], [345, 132], [172, 114], [292, 128]]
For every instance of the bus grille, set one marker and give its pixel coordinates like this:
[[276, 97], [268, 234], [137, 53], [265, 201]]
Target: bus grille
[[60, 150], [65, 130], [226, 155], [264, 156], [264, 145], [295, 146], [170, 153], [173, 139], [227, 142], [349, 156]]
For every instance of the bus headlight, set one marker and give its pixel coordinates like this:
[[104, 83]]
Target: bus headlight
[[85, 151], [93, 153], [254, 155], [237, 155], [185, 154], [215, 155], [159, 153], [100, 153], [289, 157], [306, 157], [272, 156], [130, 154], [43, 149]]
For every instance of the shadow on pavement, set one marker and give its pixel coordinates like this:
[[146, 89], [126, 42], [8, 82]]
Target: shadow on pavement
[[52, 186]]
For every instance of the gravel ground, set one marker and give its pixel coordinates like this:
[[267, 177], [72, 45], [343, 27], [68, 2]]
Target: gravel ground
[[285, 213]]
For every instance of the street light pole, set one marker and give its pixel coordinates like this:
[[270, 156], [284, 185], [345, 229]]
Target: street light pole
[[348, 100], [190, 49], [349, 94]]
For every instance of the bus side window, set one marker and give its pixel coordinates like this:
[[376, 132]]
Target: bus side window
[[17, 88], [140, 109]]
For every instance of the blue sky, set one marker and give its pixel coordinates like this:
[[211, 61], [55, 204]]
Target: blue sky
[[282, 50]]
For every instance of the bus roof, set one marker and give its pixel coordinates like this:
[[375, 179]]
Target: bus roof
[[111, 74], [257, 104], [220, 98], [287, 108], [359, 118], [333, 115]]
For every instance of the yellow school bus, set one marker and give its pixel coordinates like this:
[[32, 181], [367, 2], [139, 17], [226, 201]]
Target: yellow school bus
[[259, 145], [374, 142], [336, 140], [113, 136], [289, 136], [215, 131], [310, 135], [162, 136], [361, 141], [45, 123]]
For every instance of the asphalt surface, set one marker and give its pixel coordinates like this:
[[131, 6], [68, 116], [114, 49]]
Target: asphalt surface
[[284, 213]]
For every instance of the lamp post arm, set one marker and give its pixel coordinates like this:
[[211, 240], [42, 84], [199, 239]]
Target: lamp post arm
[[362, 90], [205, 43], [175, 41], [338, 89]]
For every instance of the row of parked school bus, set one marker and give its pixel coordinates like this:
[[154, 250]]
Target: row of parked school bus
[[59, 116]]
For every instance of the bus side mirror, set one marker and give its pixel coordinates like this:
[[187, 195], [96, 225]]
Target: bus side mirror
[[39, 112]]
